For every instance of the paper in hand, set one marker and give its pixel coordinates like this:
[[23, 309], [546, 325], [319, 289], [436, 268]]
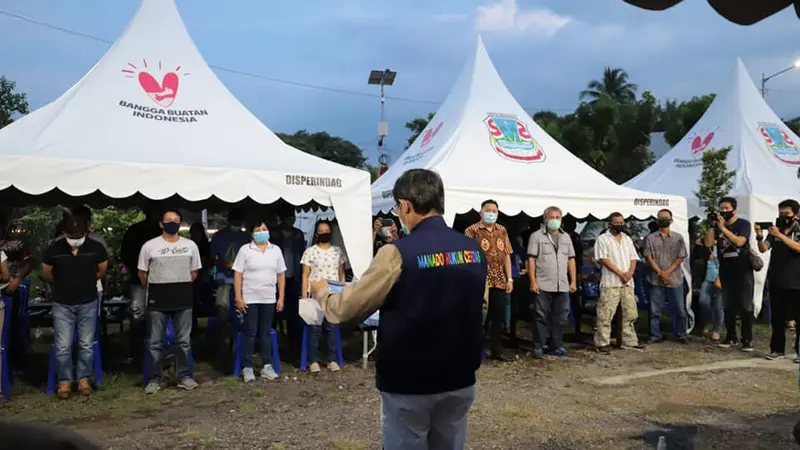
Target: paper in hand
[[310, 311]]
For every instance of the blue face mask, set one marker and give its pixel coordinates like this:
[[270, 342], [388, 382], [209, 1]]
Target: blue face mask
[[489, 218], [261, 237]]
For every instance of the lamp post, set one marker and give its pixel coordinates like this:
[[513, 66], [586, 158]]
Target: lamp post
[[382, 78], [765, 78]]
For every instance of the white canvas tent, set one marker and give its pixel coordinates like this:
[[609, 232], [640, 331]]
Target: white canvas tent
[[151, 118], [485, 145], [765, 157], [765, 154]]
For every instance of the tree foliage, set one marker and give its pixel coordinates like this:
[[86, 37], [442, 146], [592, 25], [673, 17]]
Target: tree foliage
[[676, 119], [614, 84], [331, 148], [12, 103], [794, 125], [417, 126], [716, 180]]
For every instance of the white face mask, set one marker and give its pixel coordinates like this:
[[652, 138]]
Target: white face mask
[[75, 243]]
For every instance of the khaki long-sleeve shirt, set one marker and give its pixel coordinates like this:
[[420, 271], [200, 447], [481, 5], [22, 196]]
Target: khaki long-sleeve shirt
[[366, 295]]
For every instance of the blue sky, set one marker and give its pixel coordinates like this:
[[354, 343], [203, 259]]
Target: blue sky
[[545, 50]]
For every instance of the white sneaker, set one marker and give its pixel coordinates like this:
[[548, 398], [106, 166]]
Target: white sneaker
[[268, 372], [188, 384], [314, 368], [247, 374], [333, 366]]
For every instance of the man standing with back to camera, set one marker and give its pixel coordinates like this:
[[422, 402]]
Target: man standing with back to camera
[[429, 288], [732, 236]]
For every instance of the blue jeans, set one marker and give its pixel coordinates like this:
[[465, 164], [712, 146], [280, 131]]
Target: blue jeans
[[659, 296], [426, 422], [712, 306], [257, 321], [330, 342], [66, 318], [552, 311], [157, 334]]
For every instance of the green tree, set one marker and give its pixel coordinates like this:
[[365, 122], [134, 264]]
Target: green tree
[[611, 136], [614, 84], [676, 119], [113, 222], [794, 125], [417, 126], [11, 102], [328, 147], [716, 180]]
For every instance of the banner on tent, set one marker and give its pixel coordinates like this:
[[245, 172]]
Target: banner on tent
[[163, 93], [779, 143], [664, 202], [510, 138], [699, 142], [426, 143], [314, 181]]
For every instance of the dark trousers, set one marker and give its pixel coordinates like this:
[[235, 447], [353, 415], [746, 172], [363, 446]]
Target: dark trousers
[[783, 303], [737, 295], [291, 313], [14, 320], [257, 321], [496, 314], [552, 311]]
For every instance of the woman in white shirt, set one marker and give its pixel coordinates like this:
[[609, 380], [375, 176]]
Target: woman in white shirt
[[322, 261], [259, 283]]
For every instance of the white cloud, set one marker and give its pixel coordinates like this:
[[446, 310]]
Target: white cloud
[[449, 18], [505, 15]]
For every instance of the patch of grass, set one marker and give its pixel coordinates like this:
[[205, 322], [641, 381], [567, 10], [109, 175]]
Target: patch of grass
[[230, 382], [340, 444], [277, 446]]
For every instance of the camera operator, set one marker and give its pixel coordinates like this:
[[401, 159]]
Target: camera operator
[[784, 273], [732, 235]]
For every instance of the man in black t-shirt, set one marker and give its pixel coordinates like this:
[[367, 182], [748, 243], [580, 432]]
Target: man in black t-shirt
[[73, 265], [784, 273], [732, 236]]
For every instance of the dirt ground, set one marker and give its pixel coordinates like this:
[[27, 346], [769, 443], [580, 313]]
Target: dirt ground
[[528, 404]]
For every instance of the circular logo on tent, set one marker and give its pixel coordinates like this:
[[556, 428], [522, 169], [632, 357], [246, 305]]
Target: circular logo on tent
[[510, 138], [779, 143]]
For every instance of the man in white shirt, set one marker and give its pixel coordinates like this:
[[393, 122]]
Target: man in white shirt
[[615, 252]]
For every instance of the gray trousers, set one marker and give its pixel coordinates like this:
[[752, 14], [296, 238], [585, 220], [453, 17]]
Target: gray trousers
[[426, 422]]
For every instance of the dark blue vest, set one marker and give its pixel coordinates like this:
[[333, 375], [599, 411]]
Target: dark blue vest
[[430, 333]]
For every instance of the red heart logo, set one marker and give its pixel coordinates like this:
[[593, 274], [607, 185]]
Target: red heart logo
[[163, 94], [430, 134], [698, 145]]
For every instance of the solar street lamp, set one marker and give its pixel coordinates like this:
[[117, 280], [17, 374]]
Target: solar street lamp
[[382, 78]]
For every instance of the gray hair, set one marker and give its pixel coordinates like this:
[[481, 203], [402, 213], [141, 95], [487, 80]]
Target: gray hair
[[552, 209]]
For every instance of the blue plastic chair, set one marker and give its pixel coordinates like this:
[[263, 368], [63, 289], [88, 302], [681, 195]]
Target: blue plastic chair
[[304, 350], [168, 342], [97, 363], [5, 342]]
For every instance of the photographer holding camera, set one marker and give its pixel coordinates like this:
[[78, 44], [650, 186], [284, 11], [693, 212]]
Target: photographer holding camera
[[732, 235], [784, 272]]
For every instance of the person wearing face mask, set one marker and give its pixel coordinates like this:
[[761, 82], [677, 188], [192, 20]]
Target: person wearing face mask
[[615, 252], [664, 252], [493, 239], [429, 288], [72, 266], [322, 261], [259, 284], [224, 245], [168, 265], [732, 236], [552, 273], [784, 273]]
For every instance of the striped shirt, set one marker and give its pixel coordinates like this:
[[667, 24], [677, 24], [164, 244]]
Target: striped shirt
[[620, 252]]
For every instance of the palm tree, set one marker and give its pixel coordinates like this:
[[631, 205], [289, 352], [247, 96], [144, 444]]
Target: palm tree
[[614, 85]]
